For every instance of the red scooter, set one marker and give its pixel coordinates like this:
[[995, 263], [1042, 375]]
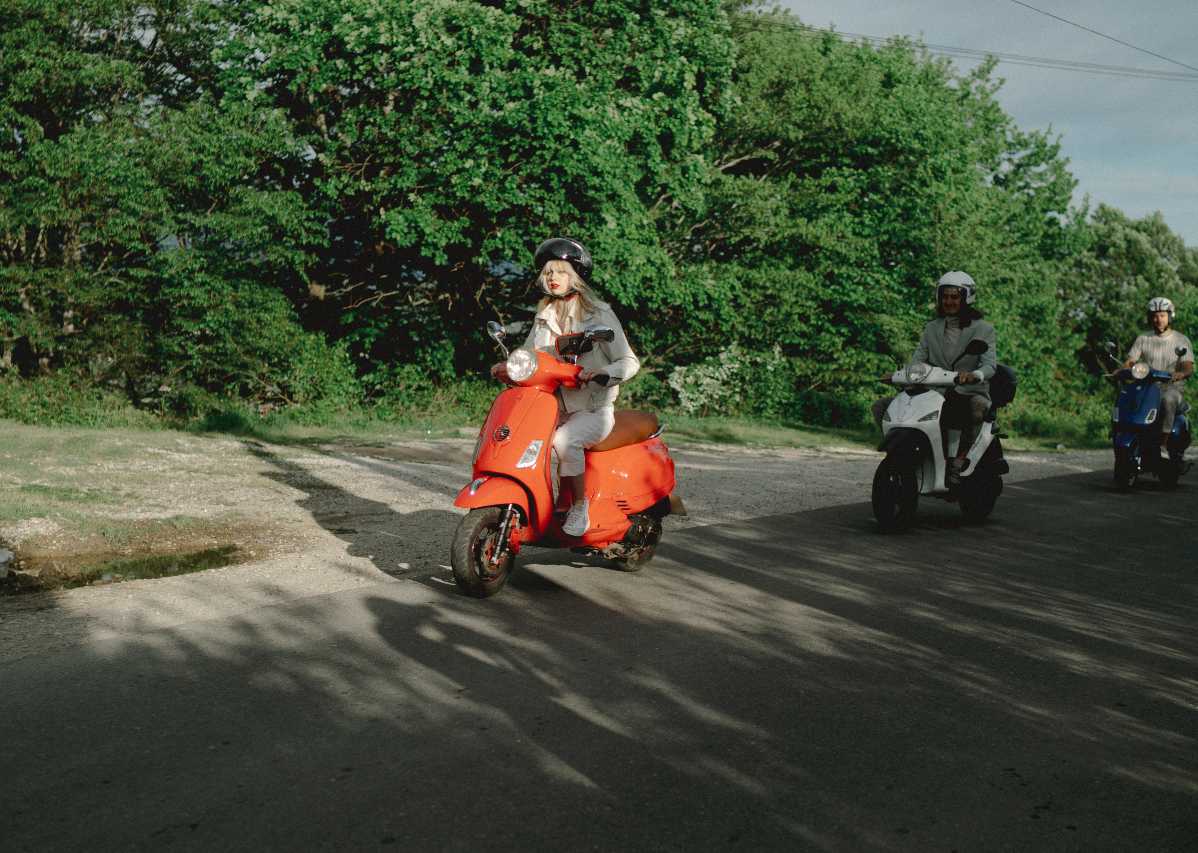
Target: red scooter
[[629, 476]]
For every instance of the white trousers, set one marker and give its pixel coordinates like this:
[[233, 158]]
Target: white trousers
[[578, 431]]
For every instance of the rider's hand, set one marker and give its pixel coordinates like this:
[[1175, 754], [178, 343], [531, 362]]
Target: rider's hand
[[967, 377], [585, 375], [499, 371], [1178, 375]]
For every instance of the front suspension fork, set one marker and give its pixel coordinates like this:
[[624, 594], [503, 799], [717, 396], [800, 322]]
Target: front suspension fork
[[507, 540]]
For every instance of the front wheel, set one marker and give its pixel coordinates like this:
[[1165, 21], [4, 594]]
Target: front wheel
[[895, 494], [1125, 471], [474, 545]]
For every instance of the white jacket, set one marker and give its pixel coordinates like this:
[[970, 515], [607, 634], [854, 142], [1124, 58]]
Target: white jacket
[[616, 359]]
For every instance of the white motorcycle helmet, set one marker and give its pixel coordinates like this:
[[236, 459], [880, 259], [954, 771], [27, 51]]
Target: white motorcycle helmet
[[960, 280], [1160, 303]]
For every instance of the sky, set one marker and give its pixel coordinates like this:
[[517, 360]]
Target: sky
[[1131, 143]]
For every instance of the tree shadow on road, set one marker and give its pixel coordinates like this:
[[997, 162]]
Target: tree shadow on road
[[400, 544], [791, 682]]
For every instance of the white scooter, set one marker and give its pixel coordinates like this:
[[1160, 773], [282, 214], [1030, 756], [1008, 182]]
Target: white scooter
[[916, 455]]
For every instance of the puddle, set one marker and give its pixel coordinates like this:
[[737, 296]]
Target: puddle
[[44, 573]]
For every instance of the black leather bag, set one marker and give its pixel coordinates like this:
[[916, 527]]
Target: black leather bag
[[1002, 386]]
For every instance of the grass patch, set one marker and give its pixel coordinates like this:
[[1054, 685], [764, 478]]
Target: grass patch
[[285, 429], [65, 494]]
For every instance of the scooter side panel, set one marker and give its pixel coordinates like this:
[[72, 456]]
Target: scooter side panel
[[637, 475]]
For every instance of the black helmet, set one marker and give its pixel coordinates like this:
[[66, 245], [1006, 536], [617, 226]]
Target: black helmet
[[565, 249]]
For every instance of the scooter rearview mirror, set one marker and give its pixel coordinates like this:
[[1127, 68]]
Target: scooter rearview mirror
[[495, 330], [976, 347], [1181, 351]]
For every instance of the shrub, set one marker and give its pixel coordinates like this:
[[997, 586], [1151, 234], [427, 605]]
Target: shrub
[[735, 382], [62, 399]]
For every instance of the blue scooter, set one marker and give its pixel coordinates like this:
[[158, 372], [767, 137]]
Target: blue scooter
[[1135, 429]]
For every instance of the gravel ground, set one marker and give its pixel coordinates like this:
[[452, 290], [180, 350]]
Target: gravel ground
[[344, 516]]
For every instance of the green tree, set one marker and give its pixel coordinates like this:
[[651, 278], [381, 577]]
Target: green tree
[[846, 180], [1127, 262], [146, 233], [446, 138]]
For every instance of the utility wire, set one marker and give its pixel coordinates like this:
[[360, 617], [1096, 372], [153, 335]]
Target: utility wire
[[1008, 58], [1104, 35]]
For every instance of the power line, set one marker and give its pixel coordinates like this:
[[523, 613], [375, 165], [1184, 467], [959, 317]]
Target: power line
[[1007, 58], [1104, 35]]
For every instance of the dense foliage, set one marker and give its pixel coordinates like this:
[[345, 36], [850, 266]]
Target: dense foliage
[[316, 203]]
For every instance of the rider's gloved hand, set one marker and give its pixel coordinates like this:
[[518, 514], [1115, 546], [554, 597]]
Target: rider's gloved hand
[[499, 371]]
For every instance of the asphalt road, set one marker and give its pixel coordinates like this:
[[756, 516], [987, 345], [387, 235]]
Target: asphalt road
[[792, 680]]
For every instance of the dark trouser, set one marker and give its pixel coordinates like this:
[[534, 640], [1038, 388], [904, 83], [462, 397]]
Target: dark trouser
[[966, 413]]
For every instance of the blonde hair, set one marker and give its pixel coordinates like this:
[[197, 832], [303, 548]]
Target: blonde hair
[[569, 311]]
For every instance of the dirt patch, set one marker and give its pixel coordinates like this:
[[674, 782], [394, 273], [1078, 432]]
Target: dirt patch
[[412, 452]]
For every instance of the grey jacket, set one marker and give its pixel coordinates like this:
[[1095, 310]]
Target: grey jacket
[[933, 351], [616, 359]]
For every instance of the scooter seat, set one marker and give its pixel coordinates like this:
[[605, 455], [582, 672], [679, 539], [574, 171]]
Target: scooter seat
[[631, 427]]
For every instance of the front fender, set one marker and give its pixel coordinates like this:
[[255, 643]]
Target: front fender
[[493, 490], [1124, 439], [903, 442]]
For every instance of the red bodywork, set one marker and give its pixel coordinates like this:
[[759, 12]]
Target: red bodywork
[[620, 482]]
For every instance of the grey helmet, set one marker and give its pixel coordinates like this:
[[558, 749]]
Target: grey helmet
[[960, 280], [1160, 303]]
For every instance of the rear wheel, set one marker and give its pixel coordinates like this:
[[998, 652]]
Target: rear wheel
[[979, 496], [474, 545], [1167, 473], [641, 539], [895, 494]]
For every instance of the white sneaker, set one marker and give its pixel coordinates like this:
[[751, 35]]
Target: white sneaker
[[578, 519]]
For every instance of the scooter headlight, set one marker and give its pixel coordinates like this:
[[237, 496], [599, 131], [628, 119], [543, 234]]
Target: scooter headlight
[[521, 364], [1139, 370], [917, 373]]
